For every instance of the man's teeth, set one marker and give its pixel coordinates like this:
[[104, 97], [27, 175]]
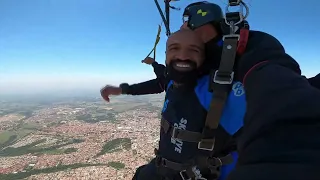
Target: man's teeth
[[183, 65]]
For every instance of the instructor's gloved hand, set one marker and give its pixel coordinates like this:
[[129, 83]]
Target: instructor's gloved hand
[[110, 90], [261, 50]]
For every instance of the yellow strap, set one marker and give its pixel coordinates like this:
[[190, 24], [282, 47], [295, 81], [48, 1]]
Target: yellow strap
[[155, 43]]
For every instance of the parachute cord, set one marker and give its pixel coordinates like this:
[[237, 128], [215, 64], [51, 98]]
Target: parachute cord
[[163, 17], [166, 17], [167, 11], [154, 49]]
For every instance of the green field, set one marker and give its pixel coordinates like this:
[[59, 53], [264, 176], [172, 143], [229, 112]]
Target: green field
[[30, 172], [7, 138], [126, 106], [37, 150], [29, 126], [94, 118], [115, 145], [116, 165]]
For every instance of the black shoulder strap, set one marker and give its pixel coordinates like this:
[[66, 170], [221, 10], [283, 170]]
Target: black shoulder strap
[[221, 80], [220, 85]]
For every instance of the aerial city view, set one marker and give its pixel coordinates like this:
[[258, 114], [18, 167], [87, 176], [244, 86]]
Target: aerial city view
[[77, 138], [87, 85]]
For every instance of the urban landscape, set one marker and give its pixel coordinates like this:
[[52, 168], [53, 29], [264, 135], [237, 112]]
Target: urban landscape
[[78, 138]]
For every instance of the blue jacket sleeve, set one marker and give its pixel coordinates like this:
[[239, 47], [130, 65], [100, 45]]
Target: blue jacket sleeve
[[153, 86]]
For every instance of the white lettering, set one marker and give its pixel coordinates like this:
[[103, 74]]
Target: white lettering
[[197, 173], [178, 143], [183, 121], [177, 150]]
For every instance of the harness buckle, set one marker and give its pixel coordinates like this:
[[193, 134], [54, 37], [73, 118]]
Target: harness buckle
[[220, 78], [175, 132], [215, 162], [184, 175], [240, 15], [206, 144], [160, 162], [201, 178], [234, 2], [231, 36]]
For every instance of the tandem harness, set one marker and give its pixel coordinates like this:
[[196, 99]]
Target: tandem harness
[[220, 84]]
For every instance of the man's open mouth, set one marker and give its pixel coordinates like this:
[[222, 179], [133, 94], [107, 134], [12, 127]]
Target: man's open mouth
[[182, 66]]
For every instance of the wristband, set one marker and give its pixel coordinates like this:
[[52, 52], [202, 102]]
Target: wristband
[[124, 87]]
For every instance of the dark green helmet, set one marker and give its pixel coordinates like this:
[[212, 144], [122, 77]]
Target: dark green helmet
[[202, 13]]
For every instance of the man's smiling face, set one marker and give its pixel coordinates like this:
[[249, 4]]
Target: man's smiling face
[[185, 51]]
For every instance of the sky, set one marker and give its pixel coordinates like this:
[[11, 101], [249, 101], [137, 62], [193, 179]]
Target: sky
[[85, 44]]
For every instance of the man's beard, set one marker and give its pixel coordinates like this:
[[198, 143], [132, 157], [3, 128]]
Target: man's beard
[[188, 77]]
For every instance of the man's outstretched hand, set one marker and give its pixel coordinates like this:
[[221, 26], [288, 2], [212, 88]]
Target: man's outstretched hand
[[148, 60], [110, 90]]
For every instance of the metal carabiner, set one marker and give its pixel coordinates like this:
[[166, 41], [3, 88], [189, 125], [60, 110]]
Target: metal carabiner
[[242, 17]]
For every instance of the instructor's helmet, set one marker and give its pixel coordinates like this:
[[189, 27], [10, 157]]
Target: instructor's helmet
[[198, 17], [201, 16], [202, 13]]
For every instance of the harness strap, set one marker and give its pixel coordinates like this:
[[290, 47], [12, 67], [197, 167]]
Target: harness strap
[[205, 162], [185, 169], [184, 135], [220, 84], [170, 164]]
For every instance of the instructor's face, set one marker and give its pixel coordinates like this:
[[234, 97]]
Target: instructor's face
[[205, 32], [185, 50]]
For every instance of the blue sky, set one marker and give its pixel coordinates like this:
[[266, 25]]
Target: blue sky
[[47, 44]]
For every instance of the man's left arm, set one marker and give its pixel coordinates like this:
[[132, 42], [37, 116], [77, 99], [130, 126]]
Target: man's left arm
[[159, 69], [153, 86]]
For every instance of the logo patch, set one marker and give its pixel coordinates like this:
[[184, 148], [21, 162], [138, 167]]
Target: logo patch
[[238, 89]]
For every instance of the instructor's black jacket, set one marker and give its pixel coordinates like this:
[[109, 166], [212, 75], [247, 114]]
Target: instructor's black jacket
[[281, 134], [315, 81]]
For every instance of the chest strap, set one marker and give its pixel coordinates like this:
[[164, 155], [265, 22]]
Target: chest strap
[[184, 135], [186, 169]]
